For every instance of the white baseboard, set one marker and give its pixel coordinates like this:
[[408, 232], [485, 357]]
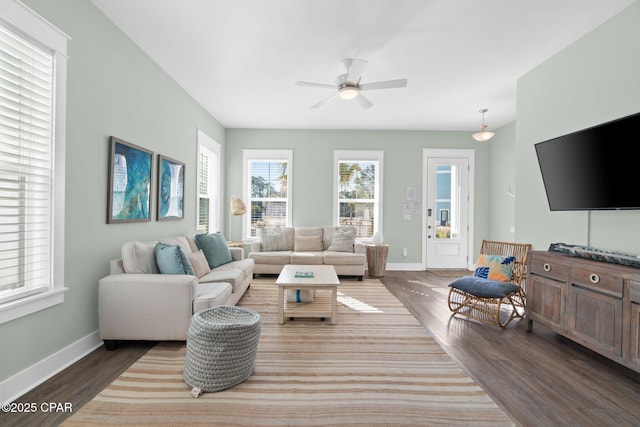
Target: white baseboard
[[397, 266], [14, 387]]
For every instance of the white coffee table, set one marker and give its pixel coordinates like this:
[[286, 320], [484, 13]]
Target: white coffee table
[[322, 306]]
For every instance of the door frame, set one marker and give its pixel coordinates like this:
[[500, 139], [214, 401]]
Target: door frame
[[464, 153]]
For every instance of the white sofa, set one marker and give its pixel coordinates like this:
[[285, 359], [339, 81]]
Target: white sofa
[[137, 302], [337, 246]]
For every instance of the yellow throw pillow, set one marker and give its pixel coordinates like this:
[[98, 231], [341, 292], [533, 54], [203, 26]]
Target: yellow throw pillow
[[495, 267]]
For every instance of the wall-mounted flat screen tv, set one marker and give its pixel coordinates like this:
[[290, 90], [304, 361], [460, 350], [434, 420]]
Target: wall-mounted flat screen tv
[[595, 168]]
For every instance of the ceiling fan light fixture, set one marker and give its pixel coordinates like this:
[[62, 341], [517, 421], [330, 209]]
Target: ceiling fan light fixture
[[348, 92], [483, 134]]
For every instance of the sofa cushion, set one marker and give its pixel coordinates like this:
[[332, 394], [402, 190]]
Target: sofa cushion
[[234, 277], [244, 265], [139, 257], [343, 239], [199, 263], [215, 248], [343, 258], [211, 295], [172, 260], [276, 238], [484, 288], [307, 243], [181, 241], [274, 258], [311, 258]]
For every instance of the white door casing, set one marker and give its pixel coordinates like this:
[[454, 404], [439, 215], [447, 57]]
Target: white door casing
[[447, 217]]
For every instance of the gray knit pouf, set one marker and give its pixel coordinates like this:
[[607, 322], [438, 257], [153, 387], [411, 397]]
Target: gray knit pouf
[[222, 343]]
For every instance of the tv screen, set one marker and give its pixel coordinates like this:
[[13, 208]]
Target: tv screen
[[592, 169]]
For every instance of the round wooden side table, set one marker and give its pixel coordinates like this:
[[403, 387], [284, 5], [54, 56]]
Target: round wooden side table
[[377, 259]]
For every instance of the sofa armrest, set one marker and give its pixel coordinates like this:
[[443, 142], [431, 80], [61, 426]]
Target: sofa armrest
[[253, 246], [237, 253], [152, 307]]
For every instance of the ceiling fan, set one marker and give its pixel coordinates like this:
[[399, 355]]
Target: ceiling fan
[[348, 85]]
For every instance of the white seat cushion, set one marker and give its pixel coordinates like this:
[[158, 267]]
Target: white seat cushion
[[312, 258], [211, 295], [343, 258], [274, 258]]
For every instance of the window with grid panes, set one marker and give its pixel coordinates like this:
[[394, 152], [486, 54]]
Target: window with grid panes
[[358, 191], [32, 129], [208, 208], [268, 187]]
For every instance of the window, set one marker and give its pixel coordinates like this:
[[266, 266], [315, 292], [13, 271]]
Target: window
[[358, 193], [267, 186], [208, 176], [32, 132]]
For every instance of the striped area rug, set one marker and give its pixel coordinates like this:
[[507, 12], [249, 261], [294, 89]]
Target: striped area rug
[[377, 366]]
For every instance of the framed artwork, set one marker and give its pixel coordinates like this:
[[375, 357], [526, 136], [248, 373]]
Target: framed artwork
[[170, 189], [130, 169]]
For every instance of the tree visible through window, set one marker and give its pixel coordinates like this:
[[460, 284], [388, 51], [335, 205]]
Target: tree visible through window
[[269, 193], [358, 191]]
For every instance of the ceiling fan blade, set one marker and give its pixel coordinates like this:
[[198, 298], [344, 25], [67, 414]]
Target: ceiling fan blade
[[322, 85], [355, 70], [324, 101], [364, 102], [387, 84]]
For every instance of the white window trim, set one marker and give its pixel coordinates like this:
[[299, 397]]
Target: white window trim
[[360, 155], [210, 144], [19, 16], [246, 183]]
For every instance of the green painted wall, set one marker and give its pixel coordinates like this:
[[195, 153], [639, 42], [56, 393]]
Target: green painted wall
[[313, 175], [503, 185], [113, 89], [594, 80]]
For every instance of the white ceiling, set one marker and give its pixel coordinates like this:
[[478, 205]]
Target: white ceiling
[[240, 59]]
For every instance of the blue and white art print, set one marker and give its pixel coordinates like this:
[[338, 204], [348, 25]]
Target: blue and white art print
[[130, 169], [170, 189]]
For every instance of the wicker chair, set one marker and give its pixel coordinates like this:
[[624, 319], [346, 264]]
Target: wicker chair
[[484, 303]]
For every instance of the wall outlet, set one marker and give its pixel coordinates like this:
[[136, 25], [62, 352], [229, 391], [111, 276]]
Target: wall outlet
[[404, 251]]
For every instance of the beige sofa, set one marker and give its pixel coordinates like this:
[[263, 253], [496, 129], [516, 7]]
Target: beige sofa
[[337, 246], [137, 302]]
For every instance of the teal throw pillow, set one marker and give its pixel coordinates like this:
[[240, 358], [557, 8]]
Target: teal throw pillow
[[215, 249], [172, 260]]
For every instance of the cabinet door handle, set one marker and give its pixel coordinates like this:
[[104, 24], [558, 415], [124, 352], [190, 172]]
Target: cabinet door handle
[[546, 266], [594, 278]]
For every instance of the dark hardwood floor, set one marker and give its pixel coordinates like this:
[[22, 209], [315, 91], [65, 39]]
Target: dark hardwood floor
[[538, 378]]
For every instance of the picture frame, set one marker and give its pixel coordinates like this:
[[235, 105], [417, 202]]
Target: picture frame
[[129, 192], [170, 198]]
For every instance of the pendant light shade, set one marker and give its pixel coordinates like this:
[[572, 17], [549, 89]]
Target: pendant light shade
[[483, 134]]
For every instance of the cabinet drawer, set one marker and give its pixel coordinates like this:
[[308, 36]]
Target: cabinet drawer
[[598, 281], [547, 268]]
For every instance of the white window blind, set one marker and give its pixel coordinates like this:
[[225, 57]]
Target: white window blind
[[26, 167], [208, 184]]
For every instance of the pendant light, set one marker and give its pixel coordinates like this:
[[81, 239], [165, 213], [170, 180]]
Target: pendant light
[[483, 134]]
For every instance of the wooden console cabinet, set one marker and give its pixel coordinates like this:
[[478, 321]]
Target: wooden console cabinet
[[593, 303]]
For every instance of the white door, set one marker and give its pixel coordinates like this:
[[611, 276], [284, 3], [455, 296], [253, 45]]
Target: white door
[[447, 208]]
